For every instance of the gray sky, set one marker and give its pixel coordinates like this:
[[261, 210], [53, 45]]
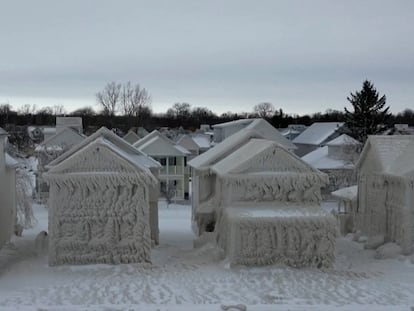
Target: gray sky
[[302, 56]]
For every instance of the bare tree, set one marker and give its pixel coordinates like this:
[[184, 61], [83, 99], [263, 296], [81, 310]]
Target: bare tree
[[135, 101], [109, 98], [27, 109], [58, 110], [180, 111], [264, 110]]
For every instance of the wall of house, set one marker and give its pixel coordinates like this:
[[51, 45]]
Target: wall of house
[[98, 219], [304, 149], [338, 178]]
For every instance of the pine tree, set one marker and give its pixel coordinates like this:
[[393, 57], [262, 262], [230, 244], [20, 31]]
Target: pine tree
[[369, 115]]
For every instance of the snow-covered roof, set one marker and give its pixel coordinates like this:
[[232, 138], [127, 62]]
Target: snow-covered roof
[[224, 148], [386, 148], [342, 141], [403, 165], [187, 142], [67, 136], [238, 161], [317, 133], [157, 144], [319, 159], [232, 123], [348, 193], [203, 141], [49, 130], [10, 161], [115, 140], [137, 160]]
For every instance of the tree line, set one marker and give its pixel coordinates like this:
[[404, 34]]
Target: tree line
[[129, 105]]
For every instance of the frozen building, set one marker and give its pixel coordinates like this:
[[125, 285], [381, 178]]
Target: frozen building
[[174, 173], [315, 136], [225, 130], [131, 137], [103, 203], [386, 189], [74, 123], [261, 203], [337, 159], [7, 191], [196, 144]]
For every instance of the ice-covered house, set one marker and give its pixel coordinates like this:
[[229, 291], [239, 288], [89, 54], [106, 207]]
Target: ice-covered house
[[261, 203], [174, 173], [74, 123], [225, 130], [50, 149], [386, 189], [336, 158], [316, 135], [7, 191], [194, 143], [103, 203]]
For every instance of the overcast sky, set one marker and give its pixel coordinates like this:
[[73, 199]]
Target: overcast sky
[[302, 56]]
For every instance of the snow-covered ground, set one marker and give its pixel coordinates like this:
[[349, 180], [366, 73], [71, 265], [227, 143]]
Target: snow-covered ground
[[183, 278]]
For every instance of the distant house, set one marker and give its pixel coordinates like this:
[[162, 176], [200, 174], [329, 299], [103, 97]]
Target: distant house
[[131, 137], [337, 159], [194, 143], [174, 173], [252, 194], [74, 123], [7, 191], [225, 130], [49, 150], [316, 135], [386, 189], [101, 205], [292, 131]]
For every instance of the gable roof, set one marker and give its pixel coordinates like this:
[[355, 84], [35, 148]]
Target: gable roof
[[263, 127], [131, 137], [387, 148], [202, 140], [235, 163], [317, 133], [156, 138], [221, 150], [115, 140], [57, 140], [187, 142], [101, 143]]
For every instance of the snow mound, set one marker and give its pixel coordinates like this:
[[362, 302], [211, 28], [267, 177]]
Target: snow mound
[[388, 251]]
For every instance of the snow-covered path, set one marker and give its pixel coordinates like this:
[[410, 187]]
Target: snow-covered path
[[183, 278]]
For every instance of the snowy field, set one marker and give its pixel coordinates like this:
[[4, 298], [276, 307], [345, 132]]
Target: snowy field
[[183, 278]]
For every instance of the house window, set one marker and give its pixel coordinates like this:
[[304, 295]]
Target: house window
[[163, 161], [172, 161], [185, 161]]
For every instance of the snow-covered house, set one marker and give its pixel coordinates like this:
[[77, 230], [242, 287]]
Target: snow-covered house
[[337, 159], [262, 203], [347, 208], [103, 203], [131, 137], [225, 130], [74, 123], [7, 191], [386, 189], [174, 173], [50, 149], [316, 135]]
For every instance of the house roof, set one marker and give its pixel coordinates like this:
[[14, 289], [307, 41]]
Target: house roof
[[232, 123], [387, 148], [319, 159], [348, 193], [317, 133], [187, 142], [165, 147], [342, 141], [131, 137], [238, 161], [203, 141], [57, 140], [115, 140], [136, 160], [224, 148]]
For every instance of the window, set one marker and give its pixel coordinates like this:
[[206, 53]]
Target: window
[[163, 161], [172, 161]]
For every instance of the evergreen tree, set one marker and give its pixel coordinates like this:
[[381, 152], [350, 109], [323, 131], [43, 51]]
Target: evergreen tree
[[369, 115]]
